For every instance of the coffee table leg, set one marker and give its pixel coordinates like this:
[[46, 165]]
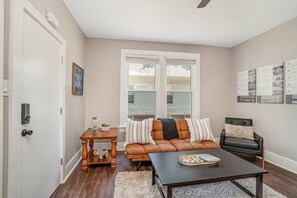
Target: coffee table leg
[[153, 177], [169, 192], [84, 163], [259, 186]]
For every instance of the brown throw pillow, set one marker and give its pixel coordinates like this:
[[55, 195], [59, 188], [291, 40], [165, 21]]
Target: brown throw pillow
[[238, 131]]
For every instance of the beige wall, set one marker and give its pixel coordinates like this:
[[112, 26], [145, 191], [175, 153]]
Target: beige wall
[[277, 123], [75, 105], [103, 66]]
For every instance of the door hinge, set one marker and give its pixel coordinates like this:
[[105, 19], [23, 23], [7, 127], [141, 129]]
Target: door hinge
[[62, 59], [61, 161], [61, 110]]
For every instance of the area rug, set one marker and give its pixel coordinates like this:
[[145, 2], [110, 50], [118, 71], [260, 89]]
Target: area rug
[[138, 185]]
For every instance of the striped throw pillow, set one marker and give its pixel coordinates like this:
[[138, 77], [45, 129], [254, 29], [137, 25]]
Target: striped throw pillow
[[200, 129], [139, 132]]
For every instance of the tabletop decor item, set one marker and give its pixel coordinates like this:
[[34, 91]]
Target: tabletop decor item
[[101, 153], [95, 124], [198, 159], [105, 127]]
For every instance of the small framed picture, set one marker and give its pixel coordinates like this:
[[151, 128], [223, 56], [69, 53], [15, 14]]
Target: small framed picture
[[77, 80]]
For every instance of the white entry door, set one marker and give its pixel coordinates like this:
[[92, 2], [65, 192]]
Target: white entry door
[[41, 89], [1, 91]]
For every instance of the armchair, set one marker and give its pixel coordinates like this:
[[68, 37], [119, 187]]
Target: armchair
[[245, 146]]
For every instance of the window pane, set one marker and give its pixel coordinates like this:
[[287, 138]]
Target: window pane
[[143, 106], [181, 105], [131, 98], [178, 77], [169, 98], [141, 76]]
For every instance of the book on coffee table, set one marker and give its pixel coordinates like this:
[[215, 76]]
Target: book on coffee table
[[209, 158], [198, 159]]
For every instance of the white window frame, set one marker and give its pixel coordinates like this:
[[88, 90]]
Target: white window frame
[[160, 82]]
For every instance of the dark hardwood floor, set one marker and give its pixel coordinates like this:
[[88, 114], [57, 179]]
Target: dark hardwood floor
[[99, 181]]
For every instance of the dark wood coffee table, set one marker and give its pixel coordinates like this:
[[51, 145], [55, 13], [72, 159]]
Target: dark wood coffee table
[[173, 174]]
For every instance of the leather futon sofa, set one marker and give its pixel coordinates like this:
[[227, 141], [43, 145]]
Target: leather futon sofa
[[139, 152]]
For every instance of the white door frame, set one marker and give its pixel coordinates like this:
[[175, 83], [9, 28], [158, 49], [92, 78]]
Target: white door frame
[[17, 8], [1, 91]]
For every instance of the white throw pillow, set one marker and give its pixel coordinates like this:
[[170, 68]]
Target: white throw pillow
[[200, 129], [238, 131], [139, 132]]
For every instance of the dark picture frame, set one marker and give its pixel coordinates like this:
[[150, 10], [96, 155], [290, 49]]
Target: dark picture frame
[[77, 80]]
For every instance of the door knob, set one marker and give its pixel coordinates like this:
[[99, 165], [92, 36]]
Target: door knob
[[25, 132]]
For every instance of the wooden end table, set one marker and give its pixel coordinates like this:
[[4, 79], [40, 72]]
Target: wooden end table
[[88, 157]]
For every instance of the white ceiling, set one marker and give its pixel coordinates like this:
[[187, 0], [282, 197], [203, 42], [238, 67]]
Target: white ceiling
[[223, 23]]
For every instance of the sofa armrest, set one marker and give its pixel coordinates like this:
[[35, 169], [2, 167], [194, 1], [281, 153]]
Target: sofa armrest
[[259, 140], [222, 137]]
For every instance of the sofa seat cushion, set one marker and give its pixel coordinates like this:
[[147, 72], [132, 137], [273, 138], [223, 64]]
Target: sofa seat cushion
[[242, 143], [181, 145], [197, 146], [186, 145], [135, 149], [165, 146], [210, 144], [151, 148], [142, 149]]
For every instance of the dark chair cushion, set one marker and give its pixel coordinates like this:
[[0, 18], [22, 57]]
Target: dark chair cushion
[[239, 121], [242, 143]]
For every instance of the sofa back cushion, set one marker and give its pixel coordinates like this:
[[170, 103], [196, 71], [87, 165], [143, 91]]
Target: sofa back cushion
[[139, 132], [181, 125], [200, 129]]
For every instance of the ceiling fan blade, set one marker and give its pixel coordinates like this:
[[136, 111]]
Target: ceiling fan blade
[[203, 3]]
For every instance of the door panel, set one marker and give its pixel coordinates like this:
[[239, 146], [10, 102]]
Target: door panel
[[1, 91], [41, 89]]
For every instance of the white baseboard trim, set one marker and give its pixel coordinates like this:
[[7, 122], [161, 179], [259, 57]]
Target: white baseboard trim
[[281, 161], [107, 145], [70, 166]]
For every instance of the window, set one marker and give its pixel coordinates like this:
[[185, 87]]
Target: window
[[159, 84], [179, 86]]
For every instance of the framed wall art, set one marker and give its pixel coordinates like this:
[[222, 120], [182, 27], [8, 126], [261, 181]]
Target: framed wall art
[[291, 81], [246, 86], [270, 84], [77, 80]]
